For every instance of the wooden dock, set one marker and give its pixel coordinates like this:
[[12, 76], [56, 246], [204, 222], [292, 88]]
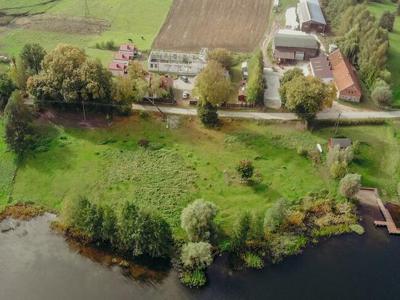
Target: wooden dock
[[388, 222]]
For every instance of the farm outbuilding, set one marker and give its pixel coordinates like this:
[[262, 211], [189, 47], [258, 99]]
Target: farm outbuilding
[[292, 45], [311, 17], [342, 143], [182, 63]]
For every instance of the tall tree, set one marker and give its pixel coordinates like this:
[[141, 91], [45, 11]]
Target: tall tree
[[19, 74], [32, 56], [223, 56], [306, 96], [213, 88], [212, 84], [19, 131]]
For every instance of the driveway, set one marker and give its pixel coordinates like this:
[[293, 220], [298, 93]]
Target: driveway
[[272, 98]]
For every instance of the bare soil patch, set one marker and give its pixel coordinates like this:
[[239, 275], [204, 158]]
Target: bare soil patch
[[238, 25], [54, 23]]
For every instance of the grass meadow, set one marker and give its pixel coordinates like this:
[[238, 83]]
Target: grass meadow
[[128, 19], [190, 162]]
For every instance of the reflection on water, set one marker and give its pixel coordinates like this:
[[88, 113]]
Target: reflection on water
[[36, 263]]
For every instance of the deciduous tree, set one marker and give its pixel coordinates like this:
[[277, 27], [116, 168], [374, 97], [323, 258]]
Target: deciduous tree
[[197, 219], [19, 131], [32, 56]]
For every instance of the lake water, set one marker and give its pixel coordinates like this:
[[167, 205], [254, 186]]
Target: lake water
[[36, 263]]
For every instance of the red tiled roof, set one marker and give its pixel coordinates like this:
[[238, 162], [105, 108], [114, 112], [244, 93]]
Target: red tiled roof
[[343, 72], [121, 56], [116, 66], [127, 47]]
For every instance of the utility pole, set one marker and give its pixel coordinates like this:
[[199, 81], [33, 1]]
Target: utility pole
[[337, 123]]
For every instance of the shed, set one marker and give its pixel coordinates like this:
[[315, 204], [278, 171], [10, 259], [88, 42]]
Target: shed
[[311, 17], [343, 143]]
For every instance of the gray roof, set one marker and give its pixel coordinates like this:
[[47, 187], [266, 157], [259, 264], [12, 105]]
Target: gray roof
[[310, 10], [321, 67], [295, 39], [343, 143]]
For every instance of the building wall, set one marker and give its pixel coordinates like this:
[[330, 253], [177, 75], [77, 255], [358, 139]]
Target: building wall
[[308, 53], [350, 94], [312, 26], [176, 68]]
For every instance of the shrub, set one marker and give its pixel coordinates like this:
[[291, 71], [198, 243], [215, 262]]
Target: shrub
[[302, 151], [338, 169], [357, 229], [208, 115], [275, 215], [143, 143], [253, 261], [245, 169], [241, 231], [350, 185], [197, 219], [382, 95], [196, 278], [387, 20], [296, 219], [285, 245], [196, 255], [6, 89]]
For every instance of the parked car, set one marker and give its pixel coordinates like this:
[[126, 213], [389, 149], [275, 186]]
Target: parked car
[[185, 79]]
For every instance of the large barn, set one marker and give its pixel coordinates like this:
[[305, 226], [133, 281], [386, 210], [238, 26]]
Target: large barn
[[292, 45], [310, 15]]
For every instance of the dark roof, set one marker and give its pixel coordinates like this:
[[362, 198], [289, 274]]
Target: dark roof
[[321, 67], [342, 142], [295, 39]]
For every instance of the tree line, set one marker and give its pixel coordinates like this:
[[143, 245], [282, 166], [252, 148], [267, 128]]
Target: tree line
[[365, 41]]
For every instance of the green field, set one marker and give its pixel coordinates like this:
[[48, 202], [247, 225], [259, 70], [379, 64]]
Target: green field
[[127, 18], [394, 51], [180, 165]]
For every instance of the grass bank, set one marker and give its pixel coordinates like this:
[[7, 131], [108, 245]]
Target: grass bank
[[190, 162]]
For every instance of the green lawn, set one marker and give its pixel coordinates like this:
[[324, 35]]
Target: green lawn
[[190, 162], [394, 51], [128, 18]]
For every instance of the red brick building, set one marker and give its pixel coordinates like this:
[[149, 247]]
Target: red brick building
[[345, 77]]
